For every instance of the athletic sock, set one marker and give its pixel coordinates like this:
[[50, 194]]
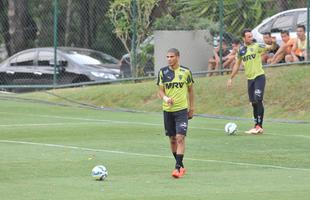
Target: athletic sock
[[175, 155], [255, 113], [260, 113], [179, 159]]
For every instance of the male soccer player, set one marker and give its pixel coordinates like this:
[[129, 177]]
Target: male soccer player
[[176, 89], [250, 54]]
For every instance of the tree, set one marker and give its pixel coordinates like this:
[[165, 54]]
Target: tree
[[121, 16], [237, 14]]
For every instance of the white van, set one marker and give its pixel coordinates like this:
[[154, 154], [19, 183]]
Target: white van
[[286, 20]]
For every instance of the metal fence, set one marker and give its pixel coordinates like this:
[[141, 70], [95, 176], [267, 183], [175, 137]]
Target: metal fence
[[95, 39]]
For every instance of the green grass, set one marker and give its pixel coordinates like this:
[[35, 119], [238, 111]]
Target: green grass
[[47, 152], [287, 95]]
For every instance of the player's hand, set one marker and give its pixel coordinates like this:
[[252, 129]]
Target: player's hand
[[190, 113], [168, 100], [229, 83]]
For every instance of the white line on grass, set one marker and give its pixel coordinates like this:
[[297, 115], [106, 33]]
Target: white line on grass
[[151, 155], [50, 124], [144, 123]]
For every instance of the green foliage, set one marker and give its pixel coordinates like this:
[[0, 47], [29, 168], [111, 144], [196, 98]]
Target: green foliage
[[146, 60], [121, 16], [237, 14]]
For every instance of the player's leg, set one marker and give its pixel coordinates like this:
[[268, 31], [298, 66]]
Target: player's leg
[[173, 145], [170, 131], [260, 83], [251, 90], [181, 120]]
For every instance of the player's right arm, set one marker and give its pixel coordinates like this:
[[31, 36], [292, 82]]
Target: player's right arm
[[234, 72], [161, 92]]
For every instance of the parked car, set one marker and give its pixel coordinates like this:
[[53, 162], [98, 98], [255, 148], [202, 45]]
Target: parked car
[[286, 20], [74, 65]]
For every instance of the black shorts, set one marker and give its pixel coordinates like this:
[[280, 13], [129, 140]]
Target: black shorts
[[256, 88], [176, 122]]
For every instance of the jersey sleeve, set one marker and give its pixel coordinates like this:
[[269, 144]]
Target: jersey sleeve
[[261, 48], [160, 78], [189, 80], [241, 52]]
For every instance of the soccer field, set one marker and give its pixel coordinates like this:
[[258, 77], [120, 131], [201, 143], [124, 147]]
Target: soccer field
[[47, 152]]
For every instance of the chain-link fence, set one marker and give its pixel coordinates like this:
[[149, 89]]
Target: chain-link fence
[[282, 22], [95, 39]]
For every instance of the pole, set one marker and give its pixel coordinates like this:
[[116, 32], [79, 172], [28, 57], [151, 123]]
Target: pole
[[55, 41], [221, 34], [133, 53]]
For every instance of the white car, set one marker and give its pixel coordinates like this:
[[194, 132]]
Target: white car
[[286, 20]]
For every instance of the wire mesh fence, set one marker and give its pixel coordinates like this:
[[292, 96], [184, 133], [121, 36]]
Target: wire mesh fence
[[95, 39]]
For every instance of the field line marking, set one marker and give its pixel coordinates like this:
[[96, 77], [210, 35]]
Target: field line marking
[[146, 124], [50, 124], [152, 155]]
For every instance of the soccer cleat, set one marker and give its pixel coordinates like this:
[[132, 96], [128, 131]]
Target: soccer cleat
[[178, 173], [255, 131], [182, 172], [175, 173], [259, 129], [251, 131]]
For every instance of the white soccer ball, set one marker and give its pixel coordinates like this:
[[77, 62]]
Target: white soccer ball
[[231, 128], [99, 172]]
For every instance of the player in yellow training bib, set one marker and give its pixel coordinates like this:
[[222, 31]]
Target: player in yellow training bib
[[176, 89], [250, 55]]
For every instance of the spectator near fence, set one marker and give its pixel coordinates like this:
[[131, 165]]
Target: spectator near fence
[[299, 50], [214, 62], [268, 55], [231, 57], [285, 49]]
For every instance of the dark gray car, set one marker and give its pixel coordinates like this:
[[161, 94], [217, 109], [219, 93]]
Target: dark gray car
[[74, 65]]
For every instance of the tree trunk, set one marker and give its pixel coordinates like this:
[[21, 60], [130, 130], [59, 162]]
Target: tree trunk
[[85, 25], [22, 28], [282, 5], [5, 26], [68, 21]]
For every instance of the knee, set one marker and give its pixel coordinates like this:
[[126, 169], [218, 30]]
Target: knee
[[180, 140], [173, 140]]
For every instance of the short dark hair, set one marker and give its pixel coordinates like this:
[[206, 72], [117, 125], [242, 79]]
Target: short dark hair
[[174, 51], [285, 32], [246, 30], [223, 40], [301, 26], [236, 41], [267, 33]]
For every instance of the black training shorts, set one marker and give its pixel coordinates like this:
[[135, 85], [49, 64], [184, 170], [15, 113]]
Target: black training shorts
[[176, 122], [256, 88]]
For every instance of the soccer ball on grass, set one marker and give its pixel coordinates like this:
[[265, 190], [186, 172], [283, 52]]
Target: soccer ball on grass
[[231, 128], [99, 172]]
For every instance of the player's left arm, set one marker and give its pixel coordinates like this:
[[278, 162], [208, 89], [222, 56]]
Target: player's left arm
[[189, 83], [191, 101]]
